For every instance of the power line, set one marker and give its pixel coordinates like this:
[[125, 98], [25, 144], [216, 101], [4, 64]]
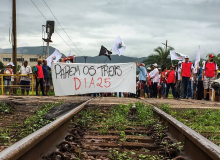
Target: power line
[[62, 27], [55, 30]]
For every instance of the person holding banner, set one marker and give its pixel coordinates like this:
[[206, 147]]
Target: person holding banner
[[46, 70], [142, 78], [210, 69], [186, 76]]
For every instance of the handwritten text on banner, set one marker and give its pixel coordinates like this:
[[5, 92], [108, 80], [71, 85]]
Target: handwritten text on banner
[[82, 78]]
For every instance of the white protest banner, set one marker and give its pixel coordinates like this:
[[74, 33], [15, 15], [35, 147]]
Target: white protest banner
[[82, 78]]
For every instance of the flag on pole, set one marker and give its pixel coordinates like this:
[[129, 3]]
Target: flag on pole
[[54, 57], [69, 54], [177, 56], [119, 46], [197, 58], [105, 52]]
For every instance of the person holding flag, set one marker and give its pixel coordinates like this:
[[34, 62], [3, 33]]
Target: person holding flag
[[142, 78]]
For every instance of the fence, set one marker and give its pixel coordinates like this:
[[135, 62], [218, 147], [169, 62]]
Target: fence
[[15, 76]]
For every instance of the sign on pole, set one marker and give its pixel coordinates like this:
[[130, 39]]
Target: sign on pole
[[82, 78]]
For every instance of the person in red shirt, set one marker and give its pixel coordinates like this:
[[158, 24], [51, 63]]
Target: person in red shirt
[[186, 76], [39, 75], [210, 69], [171, 80]]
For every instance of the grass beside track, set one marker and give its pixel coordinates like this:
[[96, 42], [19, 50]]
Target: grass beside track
[[205, 121], [30, 125]]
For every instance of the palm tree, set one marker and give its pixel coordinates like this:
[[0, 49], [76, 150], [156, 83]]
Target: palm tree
[[160, 57]]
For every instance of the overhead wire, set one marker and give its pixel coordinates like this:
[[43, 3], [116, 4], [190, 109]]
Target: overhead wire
[[54, 29], [62, 27]]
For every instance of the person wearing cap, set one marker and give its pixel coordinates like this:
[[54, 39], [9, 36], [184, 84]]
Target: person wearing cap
[[186, 76], [25, 80], [163, 81], [210, 69], [179, 85], [155, 80], [142, 78], [7, 79], [39, 76], [171, 80], [200, 91], [149, 86]]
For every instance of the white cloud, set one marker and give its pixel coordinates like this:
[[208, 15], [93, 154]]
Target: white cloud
[[143, 25]]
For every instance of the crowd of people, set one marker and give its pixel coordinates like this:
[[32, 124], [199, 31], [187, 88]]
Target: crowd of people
[[41, 75], [185, 80]]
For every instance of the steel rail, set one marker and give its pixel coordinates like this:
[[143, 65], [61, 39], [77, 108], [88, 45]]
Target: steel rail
[[196, 146], [38, 143]]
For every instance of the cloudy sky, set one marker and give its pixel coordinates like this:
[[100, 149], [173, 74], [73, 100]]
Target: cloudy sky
[[142, 24]]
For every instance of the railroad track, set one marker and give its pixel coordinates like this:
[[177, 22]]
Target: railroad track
[[66, 139]]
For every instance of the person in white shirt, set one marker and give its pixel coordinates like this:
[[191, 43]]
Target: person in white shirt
[[25, 80], [155, 77]]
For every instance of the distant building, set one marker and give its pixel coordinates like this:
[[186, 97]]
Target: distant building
[[5, 58]]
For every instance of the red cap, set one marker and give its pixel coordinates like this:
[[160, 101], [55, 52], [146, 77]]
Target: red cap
[[211, 55]]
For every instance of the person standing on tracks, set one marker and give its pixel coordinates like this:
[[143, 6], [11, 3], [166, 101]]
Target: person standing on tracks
[[171, 80], [163, 81], [39, 76], [142, 78], [155, 78], [186, 76], [210, 69], [25, 80], [200, 83], [179, 85], [149, 85], [46, 70]]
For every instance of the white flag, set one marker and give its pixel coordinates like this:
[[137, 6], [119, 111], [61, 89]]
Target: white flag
[[69, 54], [197, 58], [119, 46], [177, 56], [54, 57]]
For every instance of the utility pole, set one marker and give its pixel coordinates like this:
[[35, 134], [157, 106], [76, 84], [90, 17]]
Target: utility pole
[[165, 46], [85, 59], [14, 32]]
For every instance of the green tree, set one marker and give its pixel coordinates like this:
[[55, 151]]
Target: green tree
[[2, 65], [160, 57]]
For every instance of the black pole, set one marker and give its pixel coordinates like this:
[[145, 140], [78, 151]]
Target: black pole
[[85, 59]]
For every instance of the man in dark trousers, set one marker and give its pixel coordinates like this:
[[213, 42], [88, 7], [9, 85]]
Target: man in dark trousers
[[39, 76], [186, 76], [209, 73], [46, 70], [171, 80]]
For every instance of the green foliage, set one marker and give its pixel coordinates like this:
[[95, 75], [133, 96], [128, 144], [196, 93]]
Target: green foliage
[[203, 121], [160, 57], [5, 108], [18, 68], [30, 125], [2, 65]]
